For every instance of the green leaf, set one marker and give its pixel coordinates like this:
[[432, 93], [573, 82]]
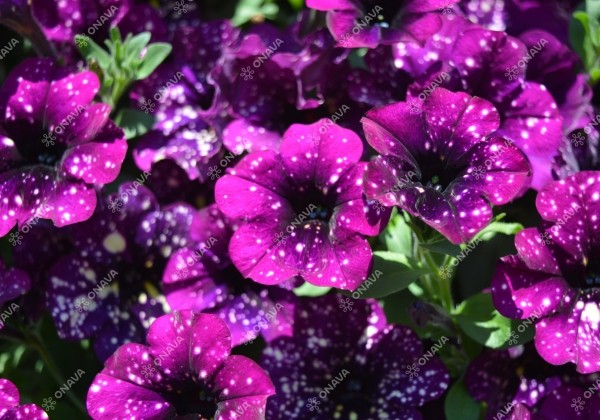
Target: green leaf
[[578, 30], [442, 246], [398, 236], [391, 273], [248, 9], [310, 290], [593, 9], [595, 75], [155, 54], [133, 122], [135, 45], [92, 51], [296, 4], [484, 324], [499, 227], [459, 404]]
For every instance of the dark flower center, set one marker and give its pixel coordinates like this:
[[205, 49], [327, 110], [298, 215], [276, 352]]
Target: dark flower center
[[311, 205], [199, 401], [592, 280], [351, 392], [436, 173], [42, 150], [387, 13]]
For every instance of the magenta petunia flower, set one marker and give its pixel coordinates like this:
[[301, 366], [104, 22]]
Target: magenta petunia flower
[[200, 277], [56, 146], [492, 66], [368, 23], [372, 370], [556, 274], [443, 165], [63, 20], [186, 371], [303, 211], [10, 409]]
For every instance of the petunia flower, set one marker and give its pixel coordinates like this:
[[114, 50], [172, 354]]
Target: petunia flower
[[556, 273], [56, 146], [327, 370], [106, 288], [185, 103], [10, 409], [201, 277], [270, 78], [303, 209], [13, 283], [367, 23], [443, 165], [186, 371], [493, 66], [517, 384]]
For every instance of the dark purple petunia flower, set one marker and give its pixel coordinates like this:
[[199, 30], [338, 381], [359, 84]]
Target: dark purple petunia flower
[[10, 409], [517, 384], [327, 370], [13, 283], [556, 274], [303, 209], [368, 23], [187, 105], [441, 164], [186, 371], [55, 145], [200, 277], [106, 287], [271, 78]]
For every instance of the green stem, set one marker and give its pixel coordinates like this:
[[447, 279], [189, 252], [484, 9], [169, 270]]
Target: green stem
[[37, 343]]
